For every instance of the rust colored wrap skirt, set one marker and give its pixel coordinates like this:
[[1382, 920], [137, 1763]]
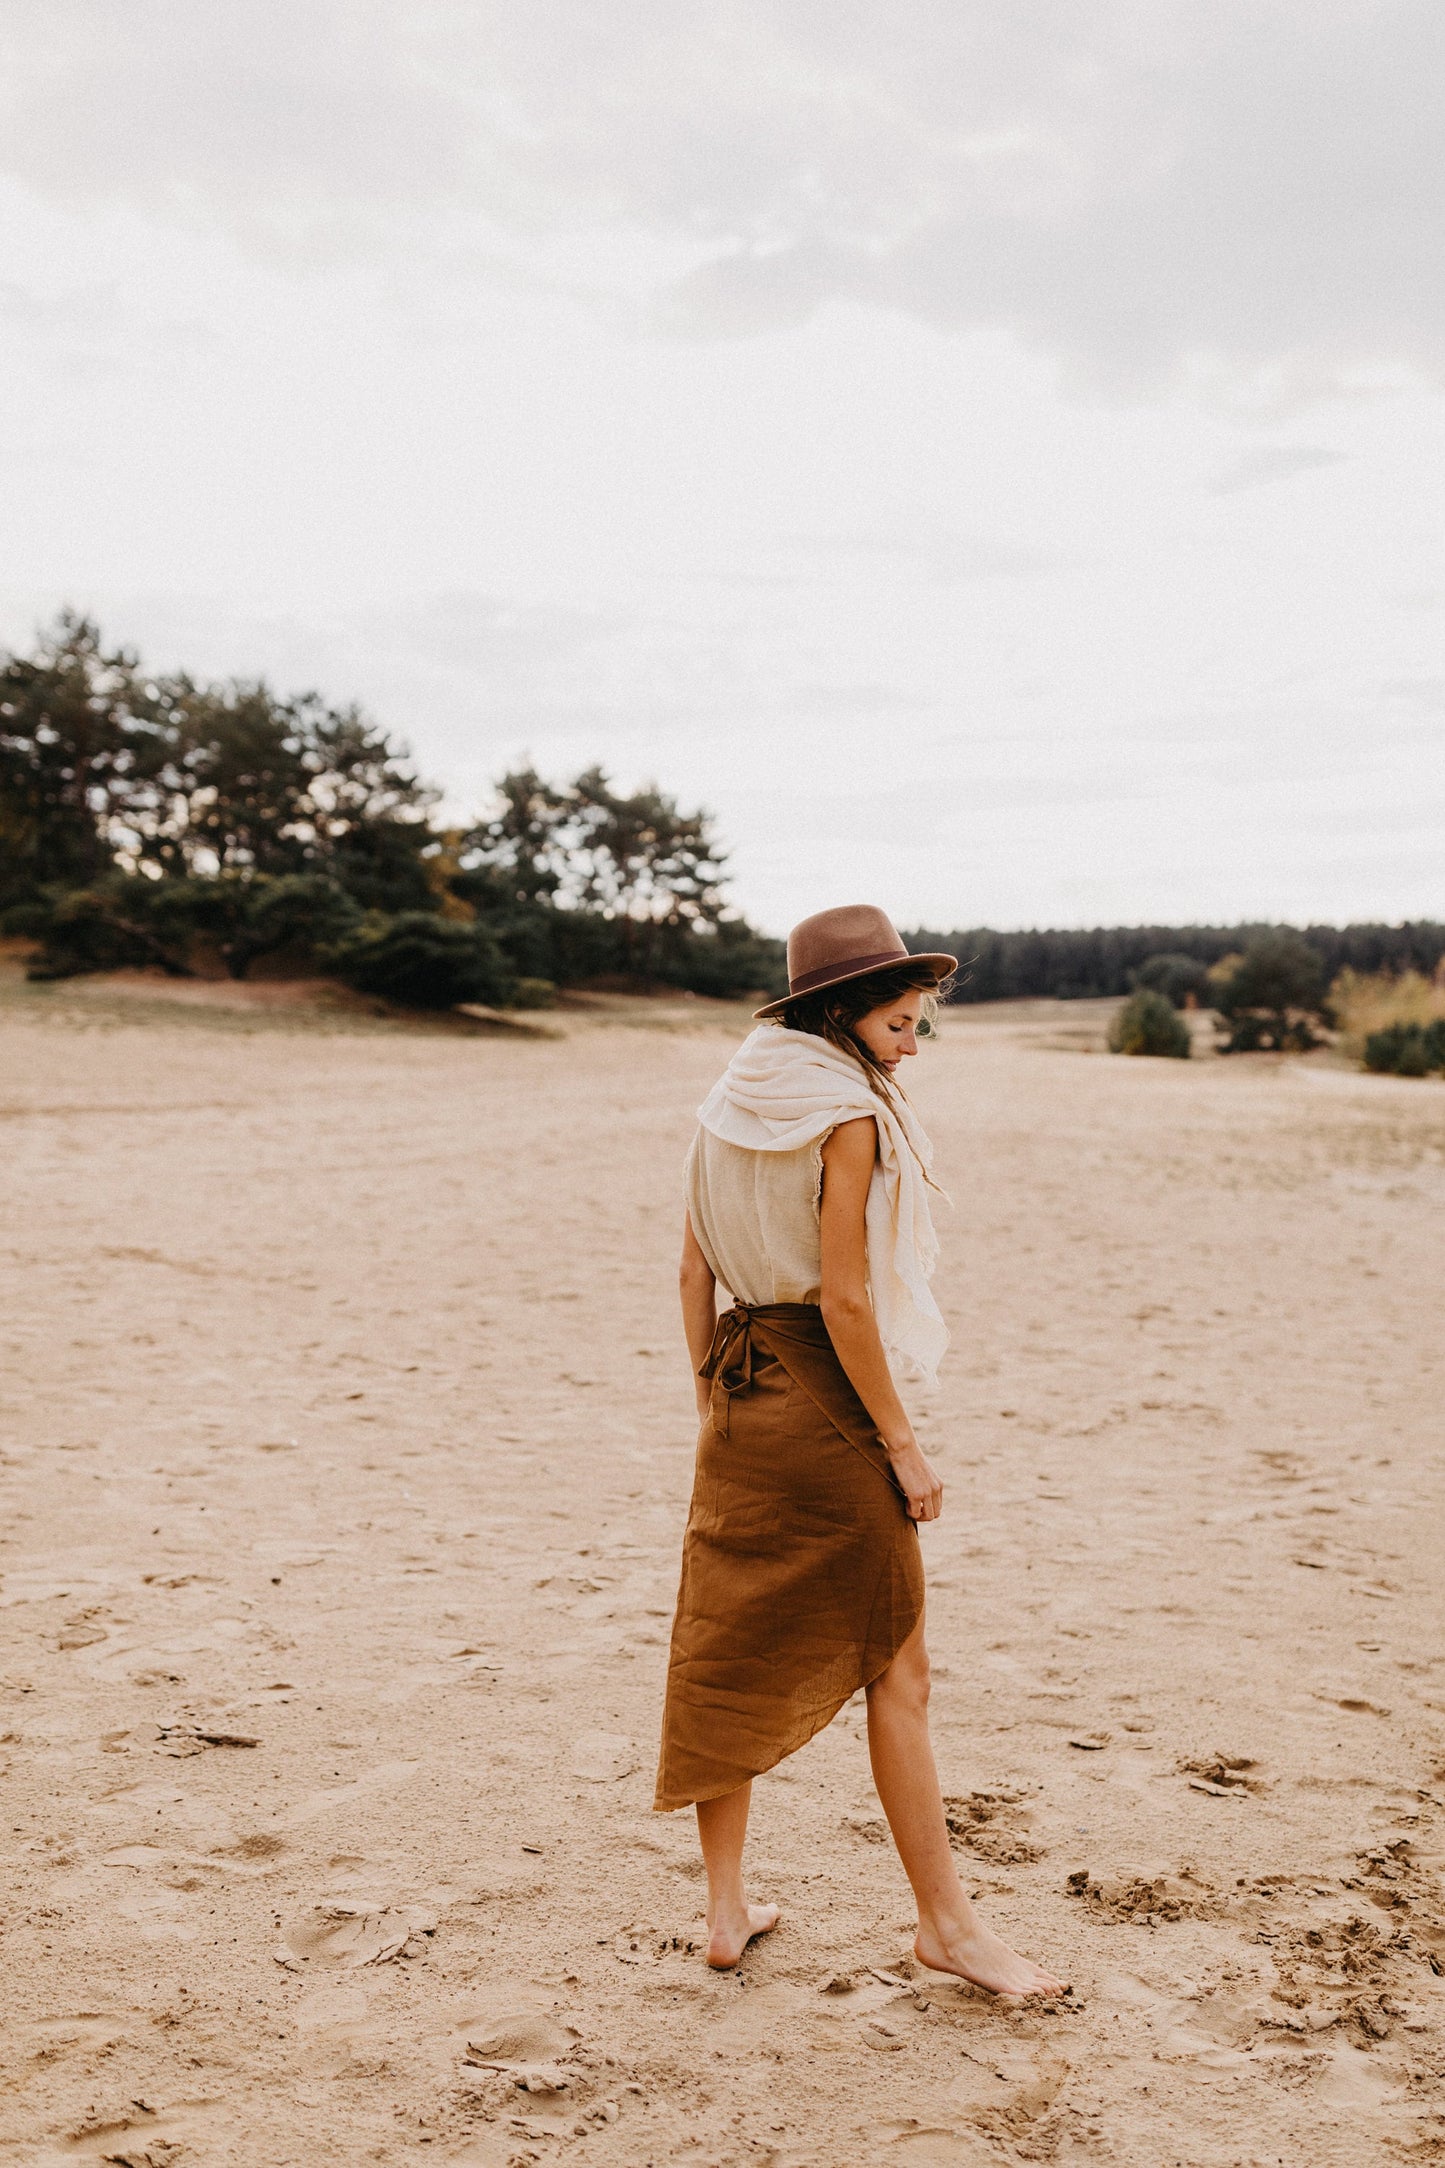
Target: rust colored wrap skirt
[[801, 1571]]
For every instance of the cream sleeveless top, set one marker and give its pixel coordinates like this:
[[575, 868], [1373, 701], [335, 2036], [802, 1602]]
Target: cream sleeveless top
[[755, 1215]]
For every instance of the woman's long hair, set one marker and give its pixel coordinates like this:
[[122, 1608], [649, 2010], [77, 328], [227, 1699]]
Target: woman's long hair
[[833, 1011]]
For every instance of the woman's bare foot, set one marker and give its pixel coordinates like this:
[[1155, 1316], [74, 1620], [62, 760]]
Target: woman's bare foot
[[977, 1954], [730, 1932]]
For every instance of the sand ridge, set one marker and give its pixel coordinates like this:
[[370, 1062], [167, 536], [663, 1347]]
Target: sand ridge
[[344, 1412]]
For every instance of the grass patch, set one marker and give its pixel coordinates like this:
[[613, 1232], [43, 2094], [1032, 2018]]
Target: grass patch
[[1365, 1003]]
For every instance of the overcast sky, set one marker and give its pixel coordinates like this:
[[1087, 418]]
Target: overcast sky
[[989, 454]]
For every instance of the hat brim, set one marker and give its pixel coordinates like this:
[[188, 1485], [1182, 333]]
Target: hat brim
[[940, 965]]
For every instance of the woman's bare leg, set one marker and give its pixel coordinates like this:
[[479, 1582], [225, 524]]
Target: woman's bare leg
[[722, 1824], [951, 1936]]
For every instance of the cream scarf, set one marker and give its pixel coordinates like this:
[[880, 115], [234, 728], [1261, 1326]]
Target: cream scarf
[[786, 1089]]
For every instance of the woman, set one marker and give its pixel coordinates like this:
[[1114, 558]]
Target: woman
[[807, 1200]]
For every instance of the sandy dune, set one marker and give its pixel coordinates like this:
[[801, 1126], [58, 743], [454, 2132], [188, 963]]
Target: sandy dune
[[344, 1414]]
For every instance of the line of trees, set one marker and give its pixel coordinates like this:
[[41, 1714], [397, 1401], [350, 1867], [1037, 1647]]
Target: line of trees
[[151, 819], [1094, 962]]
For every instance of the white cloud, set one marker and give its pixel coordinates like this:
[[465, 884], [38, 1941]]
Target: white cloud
[[1198, 182], [908, 398]]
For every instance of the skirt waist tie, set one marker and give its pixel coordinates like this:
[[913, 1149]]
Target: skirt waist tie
[[729, 1362]]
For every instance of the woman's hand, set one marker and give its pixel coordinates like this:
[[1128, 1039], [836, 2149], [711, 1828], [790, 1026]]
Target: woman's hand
[[918, 1479]]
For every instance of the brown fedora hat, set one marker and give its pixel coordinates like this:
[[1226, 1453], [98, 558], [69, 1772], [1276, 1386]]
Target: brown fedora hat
[[848, 943]]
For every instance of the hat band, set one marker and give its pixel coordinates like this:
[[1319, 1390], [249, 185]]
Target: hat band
[[848, 967]]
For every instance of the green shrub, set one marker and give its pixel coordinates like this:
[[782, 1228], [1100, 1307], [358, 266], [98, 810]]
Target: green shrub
[[533, 994], [200, 907], [1175, 977], [28, 921], [105, 928], [1271, 1035], [424, 962], [308, 916], [130, 919], [1382, 1048], [1406, 1049], [1149, 1024], [1274, 996]]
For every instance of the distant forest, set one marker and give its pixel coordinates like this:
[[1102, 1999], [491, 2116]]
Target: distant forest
[[156, 821], [1075, 964]]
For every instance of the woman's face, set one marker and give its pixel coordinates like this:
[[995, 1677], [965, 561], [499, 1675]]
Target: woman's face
[[892, 1031]]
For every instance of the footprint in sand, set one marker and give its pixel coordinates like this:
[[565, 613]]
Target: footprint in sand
[[1211, 2033], [345, 2031], [1147, 1898], [128, 2141], [638, 1945], [94, 2030], [530, 2047], [248, 1860], [1007, 2091], [260, 1852], [924, 2145], [1347, 1971], [1222, 1776], [159, 1915], [1346, 2077], [1208, 2035], [351, 1930], [519, 2040], [991, 1824], [770, 2015]]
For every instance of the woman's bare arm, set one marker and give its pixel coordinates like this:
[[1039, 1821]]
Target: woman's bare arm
[[698, 1288], [848, 1159]]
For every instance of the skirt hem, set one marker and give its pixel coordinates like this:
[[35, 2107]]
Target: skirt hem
[[696, 1799], [801, 1572]]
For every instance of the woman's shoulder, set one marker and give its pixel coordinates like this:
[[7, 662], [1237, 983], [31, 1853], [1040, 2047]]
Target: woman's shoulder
[[855, 1139]]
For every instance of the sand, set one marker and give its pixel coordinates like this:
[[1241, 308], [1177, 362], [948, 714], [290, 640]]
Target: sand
[[345, 1415]]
